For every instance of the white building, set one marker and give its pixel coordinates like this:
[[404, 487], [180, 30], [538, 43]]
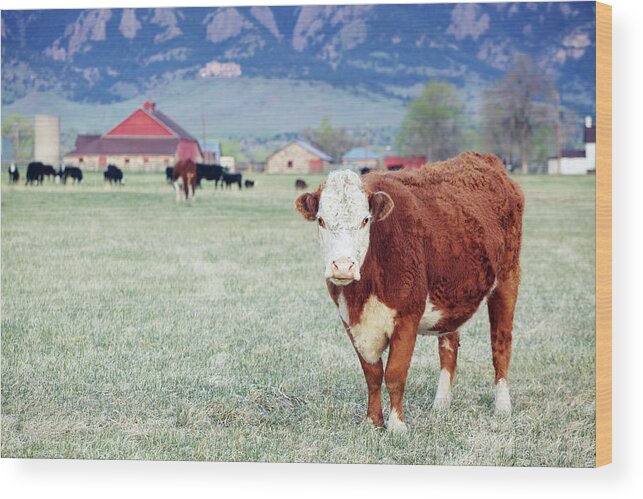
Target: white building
[[229, 163], [579, 161]]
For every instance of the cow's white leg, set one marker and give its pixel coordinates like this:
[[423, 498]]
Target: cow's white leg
[[442, 399], [501, 304], [178, 192], [448, 349], [503, 400]]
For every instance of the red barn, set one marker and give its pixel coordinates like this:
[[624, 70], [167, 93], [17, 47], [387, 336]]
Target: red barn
[[145, 140], [404, 162]]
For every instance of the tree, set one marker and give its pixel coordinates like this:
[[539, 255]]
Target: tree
[[235, 149], [432, 125], [333, 141], [498, 134], [515, 107], [20, 131]]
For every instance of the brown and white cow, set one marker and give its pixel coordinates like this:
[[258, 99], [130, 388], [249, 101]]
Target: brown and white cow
[[185, 170], [416, 252]]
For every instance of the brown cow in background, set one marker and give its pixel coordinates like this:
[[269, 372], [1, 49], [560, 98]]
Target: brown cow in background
[[186, 170], [416, 252]]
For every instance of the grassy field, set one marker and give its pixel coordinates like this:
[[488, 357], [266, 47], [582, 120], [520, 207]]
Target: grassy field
[[136, 328]]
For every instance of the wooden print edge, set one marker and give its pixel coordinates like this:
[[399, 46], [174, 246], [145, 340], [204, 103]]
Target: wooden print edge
[[603, 234]]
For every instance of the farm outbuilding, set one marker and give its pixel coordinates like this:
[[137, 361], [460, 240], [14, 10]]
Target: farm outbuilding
[[47, 139], [577, 161], [360, 157], [298, 157], [212, 152], [404, 162], [145, 140]]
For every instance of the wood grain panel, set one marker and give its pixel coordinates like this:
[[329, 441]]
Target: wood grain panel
[[603, 234]]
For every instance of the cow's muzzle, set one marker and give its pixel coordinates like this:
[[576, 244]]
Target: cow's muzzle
[[343, 271]]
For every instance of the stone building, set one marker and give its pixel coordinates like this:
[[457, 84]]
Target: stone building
[[298, 157]]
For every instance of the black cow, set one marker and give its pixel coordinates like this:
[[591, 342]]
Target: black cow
[[365, 170], [208, 172], [113, 175], [169, 174], [14, 174], [231, 178], [249, 184], [36, 172], [74, 172], [300, 184]]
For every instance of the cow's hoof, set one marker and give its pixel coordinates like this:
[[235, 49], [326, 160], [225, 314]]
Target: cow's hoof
[[503, 408], [376, 423], [503, 401], [395, 424], [442, 404], [442, 399]]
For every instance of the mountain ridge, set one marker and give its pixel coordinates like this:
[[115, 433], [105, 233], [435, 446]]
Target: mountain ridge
[[105, 56]]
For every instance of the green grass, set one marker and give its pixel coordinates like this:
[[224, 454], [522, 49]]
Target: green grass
[[136, 328]]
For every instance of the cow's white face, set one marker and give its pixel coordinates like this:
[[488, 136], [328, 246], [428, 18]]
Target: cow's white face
[[344, 212], [344, 220]]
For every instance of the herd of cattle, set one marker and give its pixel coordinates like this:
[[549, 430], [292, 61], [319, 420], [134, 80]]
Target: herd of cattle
[[216, 173], [191, 175], [37, 171]]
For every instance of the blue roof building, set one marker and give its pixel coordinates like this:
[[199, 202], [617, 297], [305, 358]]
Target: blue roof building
[[360, 153], [214, 147], [360, 157]]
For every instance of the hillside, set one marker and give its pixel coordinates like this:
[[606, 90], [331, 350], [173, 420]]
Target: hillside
[[370, 58], [245, 106]]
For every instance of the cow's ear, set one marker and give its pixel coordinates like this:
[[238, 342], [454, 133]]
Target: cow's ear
[[308, 204], [381, 205]]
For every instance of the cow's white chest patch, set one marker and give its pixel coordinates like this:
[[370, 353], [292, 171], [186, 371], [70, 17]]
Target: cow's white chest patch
[[429, 319], [374, 329]]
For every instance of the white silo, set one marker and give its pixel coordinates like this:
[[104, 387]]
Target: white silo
[[47, 139]]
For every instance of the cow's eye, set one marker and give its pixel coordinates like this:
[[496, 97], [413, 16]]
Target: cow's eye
[[365, 221], [321, 222]]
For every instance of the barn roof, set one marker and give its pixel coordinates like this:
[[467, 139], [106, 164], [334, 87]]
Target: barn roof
[[171, 124], [82, 139], [146, 131], [359, 153], [149, 122], [314, 150], [127, 145]]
